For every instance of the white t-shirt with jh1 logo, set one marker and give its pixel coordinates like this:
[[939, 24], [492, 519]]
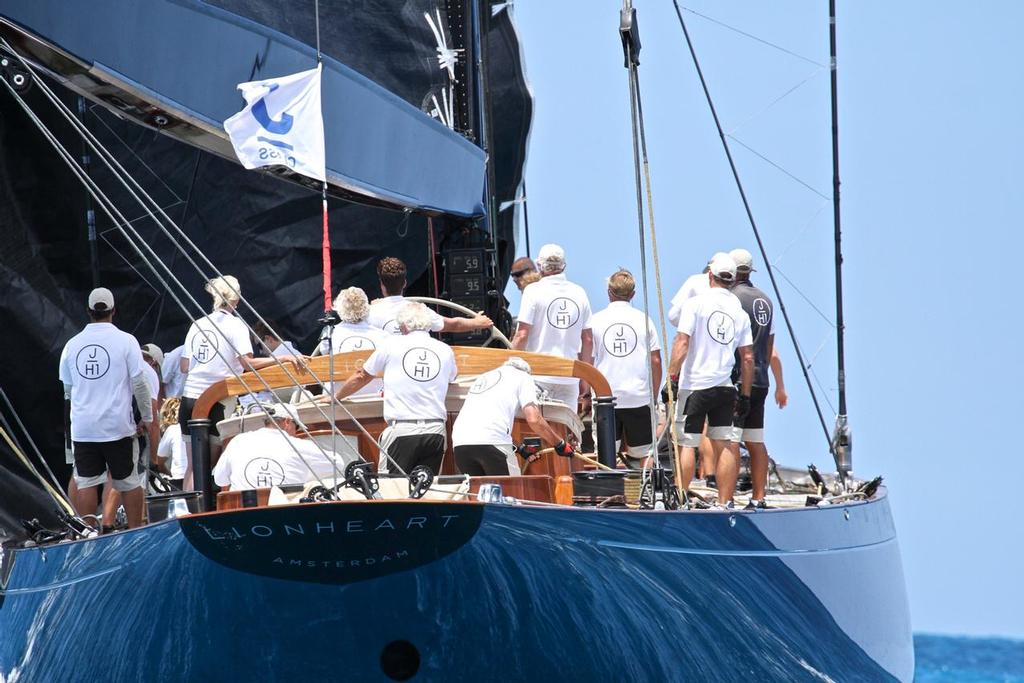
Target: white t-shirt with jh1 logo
[[99, 363], [360, 336], [557, 311], [212, 339], [621, 355], [490, 407], [717, 326], [417, 370]]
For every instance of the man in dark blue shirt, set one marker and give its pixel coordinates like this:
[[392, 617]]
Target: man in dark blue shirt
[[762, 324]]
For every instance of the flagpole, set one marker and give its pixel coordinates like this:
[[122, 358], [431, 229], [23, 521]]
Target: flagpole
[[330, 317]]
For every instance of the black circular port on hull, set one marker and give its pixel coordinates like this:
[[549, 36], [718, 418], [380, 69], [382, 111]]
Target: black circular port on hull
[[400, 660]]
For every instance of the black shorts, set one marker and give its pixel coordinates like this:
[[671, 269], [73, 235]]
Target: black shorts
[[417, 449], [633, 425], [755, 418], [185, 414], [93, 458], [716, 405], [481, 461]]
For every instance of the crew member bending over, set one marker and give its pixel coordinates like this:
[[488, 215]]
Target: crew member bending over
[[273, 455], [417, 370], [482, 434], [384, 312], [712, 327]]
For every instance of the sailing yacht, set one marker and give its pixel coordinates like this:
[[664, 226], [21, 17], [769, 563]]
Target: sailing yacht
[[568, 571]]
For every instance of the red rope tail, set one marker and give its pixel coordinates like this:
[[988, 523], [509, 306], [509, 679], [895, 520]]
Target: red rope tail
[[327, 261]]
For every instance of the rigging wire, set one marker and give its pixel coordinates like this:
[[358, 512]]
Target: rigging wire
[[753, 37], [777, 167], [182, 239], [757, 236]]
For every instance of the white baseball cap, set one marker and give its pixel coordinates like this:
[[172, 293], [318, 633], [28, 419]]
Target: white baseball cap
[[286, 411], [154, 352], [723, 267], [101, 300], [551, 253], [744, 261]]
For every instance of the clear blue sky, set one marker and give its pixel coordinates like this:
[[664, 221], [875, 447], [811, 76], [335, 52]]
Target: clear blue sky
[[930, 112]]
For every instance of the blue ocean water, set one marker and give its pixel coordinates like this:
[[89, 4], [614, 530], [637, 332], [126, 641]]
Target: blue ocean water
[[947, 659]]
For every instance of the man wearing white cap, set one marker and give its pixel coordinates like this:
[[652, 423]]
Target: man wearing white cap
[[761, 312], [101, 369], [712, 328], [554, 318], [273, 455], [694, 285]]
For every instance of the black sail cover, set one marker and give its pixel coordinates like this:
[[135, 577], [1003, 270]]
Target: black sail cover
[[264, 230]]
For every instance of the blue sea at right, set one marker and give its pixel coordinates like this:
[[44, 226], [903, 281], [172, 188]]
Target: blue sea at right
[[950, 659]]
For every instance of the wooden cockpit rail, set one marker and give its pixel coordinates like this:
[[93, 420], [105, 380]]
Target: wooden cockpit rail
[[470, 361]]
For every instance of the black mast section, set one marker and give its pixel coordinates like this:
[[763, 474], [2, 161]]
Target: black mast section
[[841, 442]]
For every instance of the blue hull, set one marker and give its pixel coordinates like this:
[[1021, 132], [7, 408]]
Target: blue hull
[[493, 591]]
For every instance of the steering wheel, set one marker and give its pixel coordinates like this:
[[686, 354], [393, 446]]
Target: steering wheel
[[495, 332]]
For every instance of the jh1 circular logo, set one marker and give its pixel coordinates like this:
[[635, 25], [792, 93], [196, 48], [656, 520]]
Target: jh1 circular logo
[[563, 313], [421, 364], [620, 340], [92, 362], [721, 327]]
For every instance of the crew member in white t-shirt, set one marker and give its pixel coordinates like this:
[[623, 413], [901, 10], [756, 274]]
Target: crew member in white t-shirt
[[712, 328], [267, 339], [171, 449], [170, 371], [217, 347], [482, 433], [354, 333], [273, 455], [417, 370], [692, 286], [554, 318], [101, 369], [384, 311], [631, 366]]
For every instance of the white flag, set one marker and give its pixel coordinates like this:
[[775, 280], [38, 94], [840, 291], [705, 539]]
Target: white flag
[[281, 125]]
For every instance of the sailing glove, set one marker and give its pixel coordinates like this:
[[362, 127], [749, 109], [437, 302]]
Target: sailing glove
[[742, 409], [564, 449], [527, 450]]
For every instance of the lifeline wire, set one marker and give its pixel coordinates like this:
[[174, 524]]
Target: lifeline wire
[[757, 234]]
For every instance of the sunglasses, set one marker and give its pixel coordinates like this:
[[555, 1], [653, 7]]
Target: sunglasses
[[520, 273]]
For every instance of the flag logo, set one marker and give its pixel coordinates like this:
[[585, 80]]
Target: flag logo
[[281, 124]]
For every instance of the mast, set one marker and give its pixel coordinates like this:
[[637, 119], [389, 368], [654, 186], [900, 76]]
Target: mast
[[841, 441]]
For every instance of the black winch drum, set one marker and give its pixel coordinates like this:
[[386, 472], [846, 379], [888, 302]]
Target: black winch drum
[[593, 488]]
